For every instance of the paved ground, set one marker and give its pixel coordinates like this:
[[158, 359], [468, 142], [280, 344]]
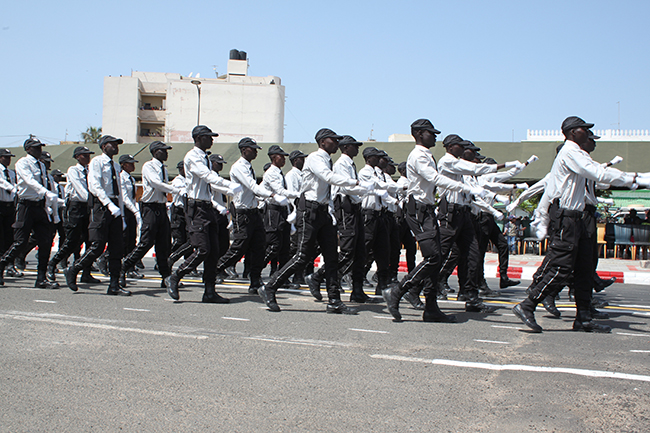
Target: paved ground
[[88, 362]]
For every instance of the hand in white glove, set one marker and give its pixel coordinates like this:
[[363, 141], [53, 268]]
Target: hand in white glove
[[381, 193], [643, 182], [280, 199], [540, 228], [50, 196], [333, 217], [367, 185], [138, 219], [616, 160], [234, 188], [502, 198], [520, 166], [293, 229], [634, 187], [12, 189], [223, 210], [176, 191], [607, 201], [532, 159], [522, 186], [292, 217], [511, 164], [114, 210], [497, 215], [479, 192], [512, 206], [230, 225]]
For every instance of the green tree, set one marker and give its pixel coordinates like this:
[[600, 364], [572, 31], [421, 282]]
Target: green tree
[[91, 135]]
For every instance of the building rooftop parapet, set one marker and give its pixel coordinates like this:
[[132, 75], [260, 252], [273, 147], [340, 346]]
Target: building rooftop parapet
[[605, 135]]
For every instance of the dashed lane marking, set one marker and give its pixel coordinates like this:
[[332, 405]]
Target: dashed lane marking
[[102, 326], [514, 367], [136, 309], [506, 327], [42, 301], [492, 341], [236, 319], [633, 335], [383, 317], [640, 351], [372, 331]]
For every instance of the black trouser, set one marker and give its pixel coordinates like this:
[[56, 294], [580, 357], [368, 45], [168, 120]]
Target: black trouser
[[352, 244], [249, 238], [423, 223], [489, 231], [154, 232], [103, 228], [278, 234], [570, 251], [130, 232], [31, 215], [395, 245], [408, 242], [203, 231], [313, 225], [224, 234], [178, 228], [456, 226], [76, 227], [7, 219], [377, 243]]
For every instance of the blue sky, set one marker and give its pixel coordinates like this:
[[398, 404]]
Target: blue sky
[[486, 70]]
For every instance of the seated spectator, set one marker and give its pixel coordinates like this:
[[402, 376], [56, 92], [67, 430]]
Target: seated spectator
[[632, 218]]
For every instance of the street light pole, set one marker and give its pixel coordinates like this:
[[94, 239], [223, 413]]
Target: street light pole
[[197, 83]]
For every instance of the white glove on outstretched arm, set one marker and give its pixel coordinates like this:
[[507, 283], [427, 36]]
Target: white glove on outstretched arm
[[532, 159], [479, 192], [114, 210], [280, 199], [512, 206], [615, 160], [511, 164], [504, 199], [234, 188], [370, 186], [522, 186], [50, 196], [643, 182], [497, 215]]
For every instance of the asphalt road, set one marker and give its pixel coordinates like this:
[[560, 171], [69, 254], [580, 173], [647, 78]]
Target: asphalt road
[[89, 362]]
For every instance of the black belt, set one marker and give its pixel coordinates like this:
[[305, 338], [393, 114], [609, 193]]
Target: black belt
[[7, 203], [455, 207], [277, 207], [309, 204], [590, 208], [247, 211], [199, 203], [32, 202], [572, 213], [154, 205]]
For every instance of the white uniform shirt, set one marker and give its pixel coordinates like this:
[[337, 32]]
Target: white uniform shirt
[[77, 187], [7, 184], [100, 181], [345, 166], [424, 177], [571, 168], [274, 181], [199, 175], [179, 183], [127, 182], [31, 175], [318, 177], [294, 180], [241, 172], [155, 182], [454, 168], [374, 174]]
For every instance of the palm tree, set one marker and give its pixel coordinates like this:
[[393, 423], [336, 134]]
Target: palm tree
[[91, 135]]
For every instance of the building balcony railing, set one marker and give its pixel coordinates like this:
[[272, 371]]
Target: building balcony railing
[[151, 115]]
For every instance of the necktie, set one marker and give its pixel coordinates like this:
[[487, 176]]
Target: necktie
[[355, 170], [253, 173], [85, 172], [381, 204], [40, 173], [284, 181], [132, 187], [329, 187], [116, 188], [164, 174], [7, 176]]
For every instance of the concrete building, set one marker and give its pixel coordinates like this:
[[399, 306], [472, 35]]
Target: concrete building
[[150, 106]]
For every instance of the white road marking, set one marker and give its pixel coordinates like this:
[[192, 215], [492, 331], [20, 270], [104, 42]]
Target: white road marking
[[135, 309], [302, 343], [29, 288], [383, 317], [508, 314], [633, 335], [506, 327], [236, 318], [102, 326], [368, 330], [492, 341], [44, 302], [631, 306], [640, 351], [641, 314], [514, 367]]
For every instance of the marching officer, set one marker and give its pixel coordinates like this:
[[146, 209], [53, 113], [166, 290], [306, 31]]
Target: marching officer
[[155, 229], [7, 206], [33, 197], [202, 224], [106, 224], [132, 216]]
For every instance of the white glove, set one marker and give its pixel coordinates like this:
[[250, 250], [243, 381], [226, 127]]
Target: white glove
[[643, 182], [114, 210], [497, 215], [616, 160], [502, 198], [281, 200], [230, 225], [512, 206], [12, 189], [60, 202], [234, 188], [522, 186], [520, 166], [292, 217], [176, 191], [50, 196], [511, 164], [607, 201], [223, 210], [540, 227], [634, 187], [333, 217], [293, 229], [479, 192], [381, 193], [532, 159], [367, 185], [138, 219]]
